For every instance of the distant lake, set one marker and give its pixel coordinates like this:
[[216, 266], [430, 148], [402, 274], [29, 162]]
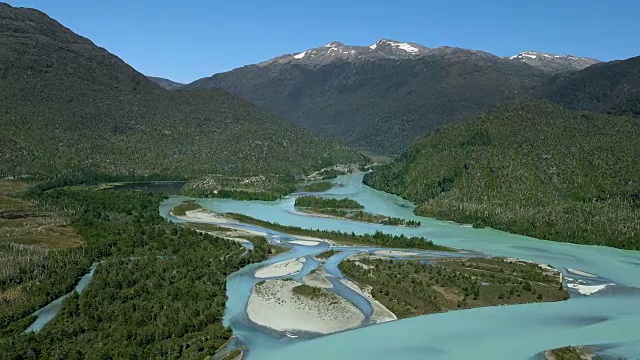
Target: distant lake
[[163, 187]]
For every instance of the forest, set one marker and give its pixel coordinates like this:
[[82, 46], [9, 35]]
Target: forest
[[412, 288], [159, 290], [318, 202], [530, 168]]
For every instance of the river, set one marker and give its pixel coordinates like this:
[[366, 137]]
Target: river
[[609, 318]]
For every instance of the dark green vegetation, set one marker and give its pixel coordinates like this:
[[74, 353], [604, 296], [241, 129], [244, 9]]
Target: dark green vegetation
[[329, 174], [612, 88], [309, 291], [166, 83], [409, 288], [380, 105], [565, 353], [347, 209], [318, 202], [317, 187], [159, 187], [325, 255], [376, 239], [260, 187], [159, 290], [530, 168], [70, 107], [571, 353]]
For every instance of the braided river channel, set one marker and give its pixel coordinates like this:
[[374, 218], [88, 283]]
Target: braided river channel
[[604, 283]]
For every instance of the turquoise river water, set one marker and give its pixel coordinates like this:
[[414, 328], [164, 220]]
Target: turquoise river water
[[608, 319]]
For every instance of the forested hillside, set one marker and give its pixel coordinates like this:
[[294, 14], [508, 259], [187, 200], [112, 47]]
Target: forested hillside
[[531, 168], [69, 106], [611, 87], [166, 83], [380, 104]]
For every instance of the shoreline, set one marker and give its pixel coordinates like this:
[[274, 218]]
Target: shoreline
[[381, 313]]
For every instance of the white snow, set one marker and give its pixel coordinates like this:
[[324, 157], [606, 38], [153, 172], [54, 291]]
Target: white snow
[[537, 55], [408, 48], [404, 46], [301, 55]]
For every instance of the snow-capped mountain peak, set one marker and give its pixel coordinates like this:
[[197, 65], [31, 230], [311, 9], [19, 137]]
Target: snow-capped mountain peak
[[402, 46], [553, 63], [337, 51]]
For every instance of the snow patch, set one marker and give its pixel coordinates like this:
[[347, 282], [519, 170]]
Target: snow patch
[[301, 55]]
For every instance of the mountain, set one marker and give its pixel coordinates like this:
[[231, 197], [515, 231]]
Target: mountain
[[166, 83], [69, 105], [378, 98], [530, 168], [336, 51], [552, 63], [611, 87]]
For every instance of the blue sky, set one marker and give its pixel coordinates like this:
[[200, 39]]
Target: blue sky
[[187, 40]]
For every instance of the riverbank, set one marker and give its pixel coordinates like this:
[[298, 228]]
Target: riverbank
[[380, 312], [276, 305]]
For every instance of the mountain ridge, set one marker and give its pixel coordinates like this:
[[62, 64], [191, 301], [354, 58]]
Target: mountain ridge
[[609, 87], [70, 106], [553, 63], [392, 49], [167, 84], [378, 103]]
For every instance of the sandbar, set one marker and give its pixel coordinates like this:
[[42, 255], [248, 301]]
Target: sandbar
[[395, 253], [318, 278], [282, 268], [305, 242], [273, 304]]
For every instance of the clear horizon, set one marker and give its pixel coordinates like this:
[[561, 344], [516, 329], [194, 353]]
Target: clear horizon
[[185, 43]]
